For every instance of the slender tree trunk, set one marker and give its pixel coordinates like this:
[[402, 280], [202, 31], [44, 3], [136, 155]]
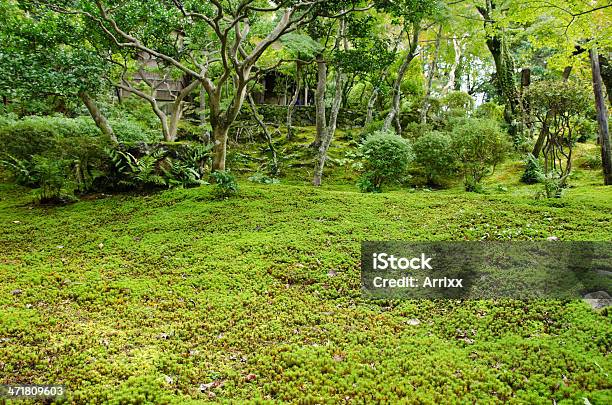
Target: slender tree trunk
[[175, 117], [602, 118], [452, 75], [98, 117], [321, 120], [544, 131], [296, 95], [329, 131], [326, 130], [430, 76], [264, 128], [397, 92], [371, 102]]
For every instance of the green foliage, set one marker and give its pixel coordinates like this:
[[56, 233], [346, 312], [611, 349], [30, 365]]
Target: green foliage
[[36, 135], [456, 104], [534, 171], [225, 184], [386, 158], [180, 174], [414, 130], [21, 171], [234, 285], [592, 161], [262, 178], [50, 174], [140, 173], [480, 145], [76, 143], [552, 186], [371, 128], [130, 131], [490, 110], [434, 153]]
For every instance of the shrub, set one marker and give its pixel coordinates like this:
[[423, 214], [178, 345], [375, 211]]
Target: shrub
[[480, 145], [533, 170], [456, 104], [76, 142], [263, 179], [50, 174], [128, 131], [225, 184], [490, 110], [369, 129], [387, 157], [553, 186], [591, 161], [433, 152], [415, 130]]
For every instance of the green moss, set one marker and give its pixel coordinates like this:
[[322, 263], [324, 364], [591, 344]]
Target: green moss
[[142, 298]]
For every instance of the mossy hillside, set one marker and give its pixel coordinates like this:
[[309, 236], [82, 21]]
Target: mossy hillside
[[143, 298]]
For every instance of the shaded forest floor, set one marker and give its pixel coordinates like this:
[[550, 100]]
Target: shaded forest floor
[[146, 297]]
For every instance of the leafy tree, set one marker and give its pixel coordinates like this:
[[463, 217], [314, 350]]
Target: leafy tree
[[557, 105], [387, 157], [47, 56], [480, 145], [223, 41]]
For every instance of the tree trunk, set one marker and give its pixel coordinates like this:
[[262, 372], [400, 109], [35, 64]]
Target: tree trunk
[[397, 92], [98, 117], [602, 118], [504, 67], [371, 102], [329, 131], [321, 120], [219, 147], [537, 148], [452, 75], [264, 128], [296, 95], [175, 117], [430, 76]]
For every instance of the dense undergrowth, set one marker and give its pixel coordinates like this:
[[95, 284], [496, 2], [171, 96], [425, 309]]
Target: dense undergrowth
[[138, 298]]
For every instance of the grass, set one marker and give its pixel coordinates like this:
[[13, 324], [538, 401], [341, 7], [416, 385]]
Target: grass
[[143, 298]]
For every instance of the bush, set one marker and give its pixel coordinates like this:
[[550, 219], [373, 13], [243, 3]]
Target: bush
[[128, 131], [433, 152], [415, 130], [225, 184], [533, 170], [263, 179], [591, 161], [480, 145], [491, 111], [153, 166], [387, 157], [553, 187], [456, 104], [76, 142], [369, 129]]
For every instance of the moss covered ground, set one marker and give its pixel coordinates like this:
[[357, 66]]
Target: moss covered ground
[[176, 297]]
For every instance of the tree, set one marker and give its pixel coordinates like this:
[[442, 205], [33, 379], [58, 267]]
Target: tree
[[497, 43], [221, 50], [602, 118], [556, 105], [410, 14], [46, 56]]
